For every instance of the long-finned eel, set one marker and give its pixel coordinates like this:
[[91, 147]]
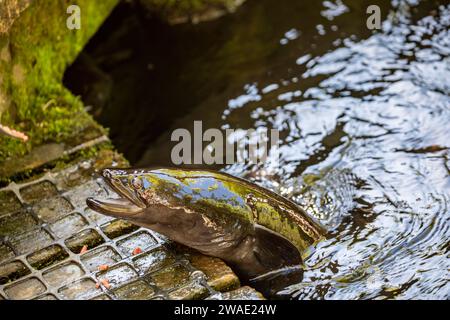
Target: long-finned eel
[[253, 229]]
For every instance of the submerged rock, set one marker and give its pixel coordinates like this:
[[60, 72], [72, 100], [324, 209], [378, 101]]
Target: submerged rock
[[193, 11]]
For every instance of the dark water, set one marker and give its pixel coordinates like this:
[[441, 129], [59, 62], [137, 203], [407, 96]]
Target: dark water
[[364, 120]]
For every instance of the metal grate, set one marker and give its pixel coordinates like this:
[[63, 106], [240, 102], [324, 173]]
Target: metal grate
[[45, 223]]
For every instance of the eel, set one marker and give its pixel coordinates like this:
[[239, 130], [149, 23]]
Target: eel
[[253, 229]]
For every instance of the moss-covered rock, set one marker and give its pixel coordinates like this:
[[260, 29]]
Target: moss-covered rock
[[36, 46]]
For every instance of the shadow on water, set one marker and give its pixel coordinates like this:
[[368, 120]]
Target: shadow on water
[[145, 79], [363, 119]]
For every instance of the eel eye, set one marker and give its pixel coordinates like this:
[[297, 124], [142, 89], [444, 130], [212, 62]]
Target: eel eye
[[137, 183]]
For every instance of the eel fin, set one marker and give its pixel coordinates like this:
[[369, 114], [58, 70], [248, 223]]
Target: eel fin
[[272, 284], [274, 251], [280, 258]]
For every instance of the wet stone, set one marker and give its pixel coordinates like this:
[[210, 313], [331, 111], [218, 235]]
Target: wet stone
[[192, 291], [25, 289], [109, 158], [38, 155], [79, 195], [12, 271], [62, 274], [52, 209], [89, 237], [137, 290], [88, 133], [242, 293], [47, 256], [95, 217], [170, 278], [16, 223], [100, 256], [46, 297], [6, 252], [118, 228], [219, 276], [142, 239], [79, 290], [119, 274], [38, 191], [9, 202], [153, 260], [74, 176], [68, 225], [31, 241]]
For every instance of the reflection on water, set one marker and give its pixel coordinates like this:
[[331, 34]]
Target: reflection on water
[[364, 127]]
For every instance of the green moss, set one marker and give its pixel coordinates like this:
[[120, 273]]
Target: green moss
[[33, 57]]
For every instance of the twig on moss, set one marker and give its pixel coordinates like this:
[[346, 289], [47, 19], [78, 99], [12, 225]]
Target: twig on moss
[[13, 133]]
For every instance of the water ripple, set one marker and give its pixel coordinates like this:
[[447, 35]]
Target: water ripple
[[366, 152]]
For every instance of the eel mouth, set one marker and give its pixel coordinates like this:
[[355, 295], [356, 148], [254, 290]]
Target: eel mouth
[[126, 205], [120, 208]]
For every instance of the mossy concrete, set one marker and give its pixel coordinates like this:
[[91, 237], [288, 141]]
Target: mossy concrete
[[35, 48]]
